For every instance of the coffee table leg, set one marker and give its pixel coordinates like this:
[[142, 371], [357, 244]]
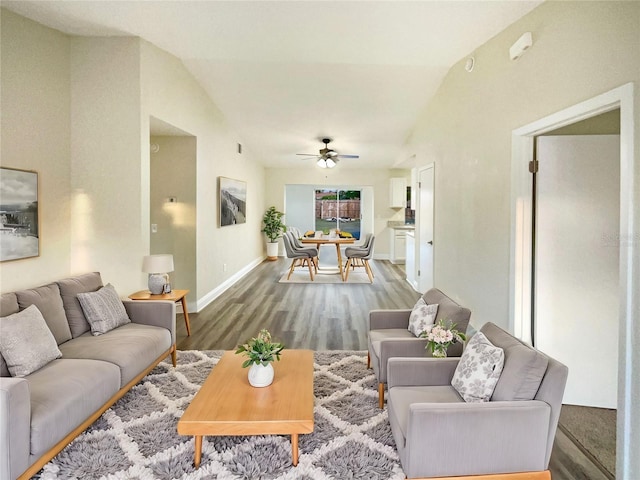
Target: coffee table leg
[[198, 446], [294, 448]]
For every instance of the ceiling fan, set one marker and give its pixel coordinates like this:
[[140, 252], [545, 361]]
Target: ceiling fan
[[327, 158]]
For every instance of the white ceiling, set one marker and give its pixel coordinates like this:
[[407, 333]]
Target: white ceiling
[[287, 73]]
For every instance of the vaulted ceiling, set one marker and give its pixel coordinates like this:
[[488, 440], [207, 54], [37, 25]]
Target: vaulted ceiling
[[288, 73]]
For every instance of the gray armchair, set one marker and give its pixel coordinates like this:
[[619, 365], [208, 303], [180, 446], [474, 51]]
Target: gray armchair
[[438, 434], [389, 335]]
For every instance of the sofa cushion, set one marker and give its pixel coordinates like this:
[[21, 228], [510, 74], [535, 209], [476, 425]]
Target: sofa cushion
[[8, 305], [26, 342], [479, 369], [103, 309], [64, 394], [47, 299], [523, 368], [422, 317], [132, 347], [69, 289]]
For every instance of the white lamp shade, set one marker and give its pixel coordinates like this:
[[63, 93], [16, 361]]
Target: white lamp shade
[[162, 263]]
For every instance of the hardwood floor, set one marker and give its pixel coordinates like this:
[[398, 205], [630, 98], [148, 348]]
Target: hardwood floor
[[325, 317], [313, 316]]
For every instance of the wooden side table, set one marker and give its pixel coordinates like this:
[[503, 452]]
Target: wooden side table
[[174, 296]]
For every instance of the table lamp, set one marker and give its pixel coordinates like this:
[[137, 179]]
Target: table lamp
[[157, 266]]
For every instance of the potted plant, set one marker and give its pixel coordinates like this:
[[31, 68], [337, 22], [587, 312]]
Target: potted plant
[[273, 228], [261, 352]]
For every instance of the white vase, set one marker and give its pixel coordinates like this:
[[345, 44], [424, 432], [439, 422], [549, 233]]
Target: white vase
[[260, 376]]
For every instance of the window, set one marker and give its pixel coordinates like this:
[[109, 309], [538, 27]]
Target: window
[[338, 209]]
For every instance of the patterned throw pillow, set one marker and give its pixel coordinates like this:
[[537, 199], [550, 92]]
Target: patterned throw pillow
[[26, 342], [479, 370], [422, 317], [104, 309]]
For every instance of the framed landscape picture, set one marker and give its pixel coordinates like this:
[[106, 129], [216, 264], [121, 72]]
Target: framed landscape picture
[[233, 201], [19, 236]]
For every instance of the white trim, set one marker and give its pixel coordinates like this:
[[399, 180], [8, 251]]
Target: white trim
[[224, 286], [628, 437]]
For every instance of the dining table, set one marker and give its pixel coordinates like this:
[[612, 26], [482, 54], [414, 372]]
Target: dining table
[[330, 240]]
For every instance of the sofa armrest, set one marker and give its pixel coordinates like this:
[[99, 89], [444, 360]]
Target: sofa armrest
[[420, 371], [159, 313], [15, 426], [452, 439], [381, 319]]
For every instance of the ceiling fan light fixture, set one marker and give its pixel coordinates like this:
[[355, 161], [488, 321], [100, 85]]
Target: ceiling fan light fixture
[[330, 162], [321, 163]]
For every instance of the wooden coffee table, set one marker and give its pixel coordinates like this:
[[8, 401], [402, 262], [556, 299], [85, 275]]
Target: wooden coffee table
[[227, 405]]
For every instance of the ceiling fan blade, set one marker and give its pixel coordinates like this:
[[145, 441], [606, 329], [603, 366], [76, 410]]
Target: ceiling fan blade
[[308, 154], [349, 156]]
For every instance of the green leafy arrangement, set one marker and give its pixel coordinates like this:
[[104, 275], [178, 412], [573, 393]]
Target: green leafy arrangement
[[260, 350], [273, 227]]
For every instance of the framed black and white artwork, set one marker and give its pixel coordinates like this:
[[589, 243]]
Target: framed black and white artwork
[[233, 201], [19, 232]]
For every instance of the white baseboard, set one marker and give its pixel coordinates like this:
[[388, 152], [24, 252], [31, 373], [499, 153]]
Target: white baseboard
[[224, 286]]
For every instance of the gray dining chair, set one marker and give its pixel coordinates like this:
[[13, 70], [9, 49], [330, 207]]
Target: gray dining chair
[[300, 257], [359, 257]]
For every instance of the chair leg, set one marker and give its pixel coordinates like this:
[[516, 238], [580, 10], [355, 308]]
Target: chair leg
[[346, 271], [368, 360], [381, 395], [293, 264], [309, 262], [368, 269]]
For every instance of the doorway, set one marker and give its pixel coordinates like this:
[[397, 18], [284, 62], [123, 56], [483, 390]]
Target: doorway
[[628, 418], [172, 203]]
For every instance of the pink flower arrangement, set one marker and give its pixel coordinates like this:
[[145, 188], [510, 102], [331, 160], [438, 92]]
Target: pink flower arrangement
[[440, 337]]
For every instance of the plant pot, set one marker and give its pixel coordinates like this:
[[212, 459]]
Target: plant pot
[[261, 376], [272, 251]]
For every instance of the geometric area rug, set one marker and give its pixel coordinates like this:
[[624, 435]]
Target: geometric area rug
[[137, 438]]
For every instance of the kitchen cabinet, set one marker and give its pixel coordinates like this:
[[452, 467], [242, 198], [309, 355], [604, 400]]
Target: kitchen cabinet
[[397, 192], [398, 248]]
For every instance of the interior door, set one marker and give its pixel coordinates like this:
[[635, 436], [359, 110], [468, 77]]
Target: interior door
[[424, 227], [577, 250]]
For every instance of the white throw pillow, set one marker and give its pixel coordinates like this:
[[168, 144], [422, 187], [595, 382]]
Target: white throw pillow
[[479, 369], [422, 317], [26, 343], [104, 309]]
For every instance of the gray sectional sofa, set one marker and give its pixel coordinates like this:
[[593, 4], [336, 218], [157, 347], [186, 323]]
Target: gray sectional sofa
[[41, 412]]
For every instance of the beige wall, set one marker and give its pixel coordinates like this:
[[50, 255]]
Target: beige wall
[[106, 166], [172, 95], [35, 135], [277, 178], [76, 109], [580, 49]]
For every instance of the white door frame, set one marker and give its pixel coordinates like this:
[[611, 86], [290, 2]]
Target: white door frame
[[628, 438]]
